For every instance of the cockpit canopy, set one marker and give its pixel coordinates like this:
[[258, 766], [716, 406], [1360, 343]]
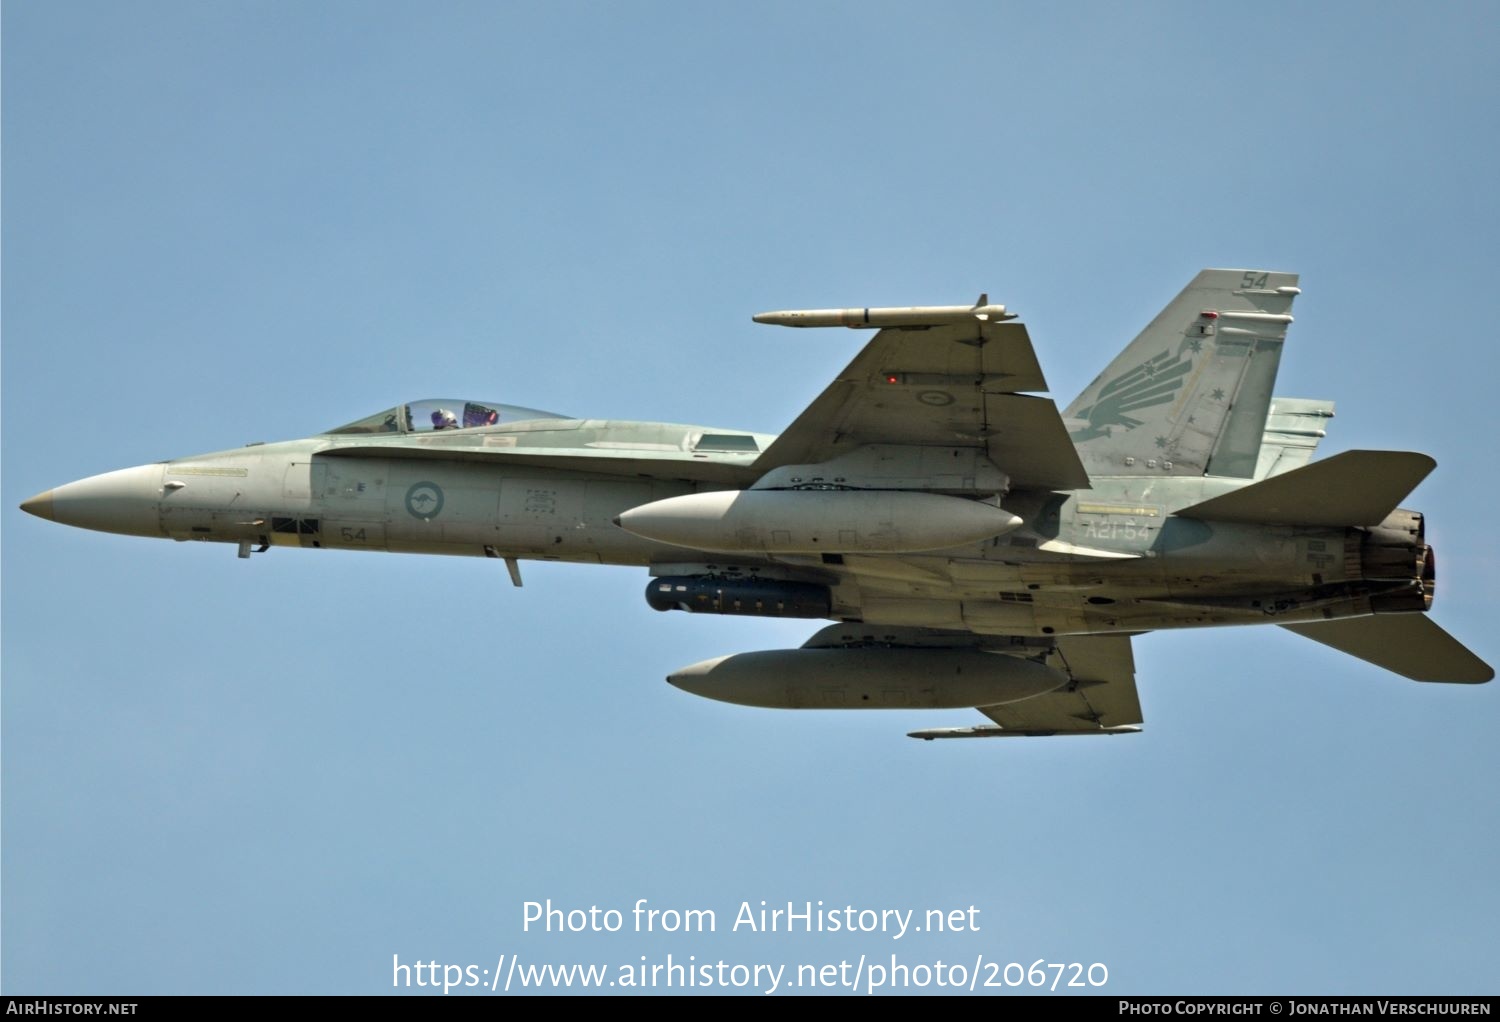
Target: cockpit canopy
[[432, 414]]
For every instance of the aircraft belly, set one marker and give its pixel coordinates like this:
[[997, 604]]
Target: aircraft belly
[[925, 613], [208, 524]]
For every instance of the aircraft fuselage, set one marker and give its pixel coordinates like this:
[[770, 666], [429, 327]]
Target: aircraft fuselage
[[973, 544], [1112, 558]]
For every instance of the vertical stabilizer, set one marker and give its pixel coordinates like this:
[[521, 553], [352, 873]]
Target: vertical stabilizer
[[1293, 429], [1190, 395]]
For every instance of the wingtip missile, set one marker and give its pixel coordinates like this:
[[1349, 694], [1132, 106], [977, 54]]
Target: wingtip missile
[[991, 731], [914, 315]]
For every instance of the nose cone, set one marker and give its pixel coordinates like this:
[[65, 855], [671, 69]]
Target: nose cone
[[695, 678], [40, 505], [127, 501]]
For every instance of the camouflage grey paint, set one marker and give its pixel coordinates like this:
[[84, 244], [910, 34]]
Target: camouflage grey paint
[[1174, 492]]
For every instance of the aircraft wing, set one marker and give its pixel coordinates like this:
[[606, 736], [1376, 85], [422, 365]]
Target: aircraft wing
[[1099, 696], [1099, 699], [955, 385]]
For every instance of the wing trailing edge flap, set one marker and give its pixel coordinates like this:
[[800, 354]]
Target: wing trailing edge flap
[[1353, 488], [1412, 645], [1026, 438], [1100, 697]]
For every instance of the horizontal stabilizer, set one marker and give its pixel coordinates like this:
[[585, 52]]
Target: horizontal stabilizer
[[1353, 488], [1412, 645]]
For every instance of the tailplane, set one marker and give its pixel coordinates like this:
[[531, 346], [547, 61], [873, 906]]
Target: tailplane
[[1353, 488], [1412, 645], [1190, 395]]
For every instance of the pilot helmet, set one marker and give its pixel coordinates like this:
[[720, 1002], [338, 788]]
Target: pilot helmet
[[444, 419]]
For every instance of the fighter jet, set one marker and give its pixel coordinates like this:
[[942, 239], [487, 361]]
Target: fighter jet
[[972, 546]]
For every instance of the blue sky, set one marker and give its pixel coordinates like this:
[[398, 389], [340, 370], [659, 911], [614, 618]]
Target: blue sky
[[228, 222]]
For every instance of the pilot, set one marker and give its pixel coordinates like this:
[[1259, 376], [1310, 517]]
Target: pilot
[[444, 419]]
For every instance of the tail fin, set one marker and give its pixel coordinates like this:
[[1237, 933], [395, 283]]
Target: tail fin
[[1293, 429], [1189, 396]]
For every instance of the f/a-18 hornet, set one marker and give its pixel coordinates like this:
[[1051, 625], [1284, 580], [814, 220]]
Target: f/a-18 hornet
[[973, 547]]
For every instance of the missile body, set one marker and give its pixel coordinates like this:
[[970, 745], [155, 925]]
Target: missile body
[[817, 521], [914, 315], [872, 678], [995, 731]]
